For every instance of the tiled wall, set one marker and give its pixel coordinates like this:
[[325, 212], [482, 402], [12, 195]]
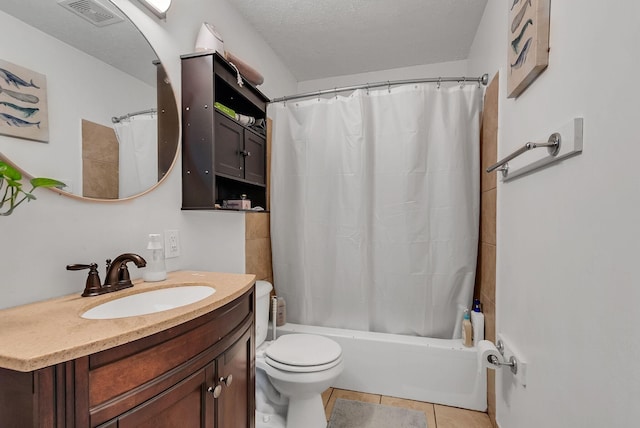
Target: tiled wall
[[485, 289], [99, 161], [258, 232], [258, 245]]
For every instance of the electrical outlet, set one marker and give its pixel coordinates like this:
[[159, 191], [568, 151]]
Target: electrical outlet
[[171, 244]]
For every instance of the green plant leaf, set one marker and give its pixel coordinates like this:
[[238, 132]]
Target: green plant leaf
[[47, 182], [13, 183], [9, 172]]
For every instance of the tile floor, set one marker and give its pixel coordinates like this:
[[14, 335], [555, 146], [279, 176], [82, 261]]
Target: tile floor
[[437, 416]]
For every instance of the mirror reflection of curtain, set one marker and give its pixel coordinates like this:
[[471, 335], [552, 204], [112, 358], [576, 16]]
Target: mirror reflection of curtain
[[138, 142]]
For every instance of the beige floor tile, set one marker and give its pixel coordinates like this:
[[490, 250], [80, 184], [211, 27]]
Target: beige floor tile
[[452, 417], [349, 395], [325, 397], [427, 408]]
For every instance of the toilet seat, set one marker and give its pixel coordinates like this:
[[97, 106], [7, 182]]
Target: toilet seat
[[303, 353]]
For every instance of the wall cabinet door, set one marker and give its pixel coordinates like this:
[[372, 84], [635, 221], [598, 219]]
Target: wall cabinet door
[[238, 152], [229, 144], [255, 158]]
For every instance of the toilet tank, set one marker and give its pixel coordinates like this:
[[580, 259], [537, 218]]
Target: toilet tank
[[263, 289]]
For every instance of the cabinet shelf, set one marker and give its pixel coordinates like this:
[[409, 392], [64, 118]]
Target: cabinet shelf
[[240, 180]]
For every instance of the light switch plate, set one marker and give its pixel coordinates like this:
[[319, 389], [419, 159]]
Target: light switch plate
[[171, 244]]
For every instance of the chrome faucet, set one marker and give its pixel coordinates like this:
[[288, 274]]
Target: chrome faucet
[[117, 274]]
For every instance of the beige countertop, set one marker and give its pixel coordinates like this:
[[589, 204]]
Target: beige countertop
[[45, 333]]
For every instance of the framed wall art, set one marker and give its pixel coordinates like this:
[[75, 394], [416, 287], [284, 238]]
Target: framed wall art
[[528, 49], [23, 103]]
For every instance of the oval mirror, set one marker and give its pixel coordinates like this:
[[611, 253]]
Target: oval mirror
[[83, 98]]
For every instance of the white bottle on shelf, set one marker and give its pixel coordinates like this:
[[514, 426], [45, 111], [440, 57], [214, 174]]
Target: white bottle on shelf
[[477, 323], [467, 330]]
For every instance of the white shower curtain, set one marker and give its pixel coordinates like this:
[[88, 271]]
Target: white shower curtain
[[138, 154], [375, 208]]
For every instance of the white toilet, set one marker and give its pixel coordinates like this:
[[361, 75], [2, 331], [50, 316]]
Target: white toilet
[[299, 367]]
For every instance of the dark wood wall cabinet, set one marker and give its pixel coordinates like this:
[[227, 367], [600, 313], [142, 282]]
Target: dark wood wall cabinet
[[222, 158], [197, 374]]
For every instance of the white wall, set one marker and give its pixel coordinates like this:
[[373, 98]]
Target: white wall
[[42, 237], [75, 81], [568, 238]]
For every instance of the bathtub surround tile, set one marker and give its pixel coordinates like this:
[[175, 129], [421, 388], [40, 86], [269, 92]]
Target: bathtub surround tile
[[100, 162], [452, 417], [257, 225], [99, 142], [258, 246], [489, 135], [99, 179], [487, 271], [489, 318], [488, 217], [258, 257], [427, 408]]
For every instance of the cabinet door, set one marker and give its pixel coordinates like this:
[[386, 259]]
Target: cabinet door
[[255, 148], [228, 159], [236, 403], [186, 405]]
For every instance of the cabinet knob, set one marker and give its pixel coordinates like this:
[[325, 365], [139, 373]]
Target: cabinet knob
[[215, 391], [245, 153], [227, 380]]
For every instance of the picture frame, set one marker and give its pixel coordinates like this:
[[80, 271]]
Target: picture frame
[[23, 103], [528, 43]]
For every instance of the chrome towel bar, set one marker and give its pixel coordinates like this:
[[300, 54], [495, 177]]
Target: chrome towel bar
[[552, 145]]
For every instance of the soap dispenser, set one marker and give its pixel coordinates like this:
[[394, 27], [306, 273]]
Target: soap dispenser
[[467, 330], [155, 270]]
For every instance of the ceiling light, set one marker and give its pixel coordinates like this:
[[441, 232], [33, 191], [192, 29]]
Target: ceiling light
[[158, 7]]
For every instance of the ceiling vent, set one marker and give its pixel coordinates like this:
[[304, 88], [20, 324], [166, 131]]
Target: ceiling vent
[[95, 12]]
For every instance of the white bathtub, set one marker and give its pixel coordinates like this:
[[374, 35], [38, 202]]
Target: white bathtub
[[418, 368]]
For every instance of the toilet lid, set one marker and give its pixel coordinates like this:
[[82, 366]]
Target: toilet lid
[[303, 350]]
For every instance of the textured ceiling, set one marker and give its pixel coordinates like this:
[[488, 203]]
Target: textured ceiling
[[325, 38]]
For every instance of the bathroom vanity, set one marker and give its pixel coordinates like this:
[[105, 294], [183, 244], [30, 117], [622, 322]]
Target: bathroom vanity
[[190, 366]]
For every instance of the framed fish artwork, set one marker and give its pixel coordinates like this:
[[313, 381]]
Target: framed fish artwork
[[528, 38], [23, 103]]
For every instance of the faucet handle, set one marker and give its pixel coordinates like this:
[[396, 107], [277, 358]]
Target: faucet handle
[[92, 286]]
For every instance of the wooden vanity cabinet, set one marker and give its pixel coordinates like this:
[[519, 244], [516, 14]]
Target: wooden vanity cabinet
[[164, 380]]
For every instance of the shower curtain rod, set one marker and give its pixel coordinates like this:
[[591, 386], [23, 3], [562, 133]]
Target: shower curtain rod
[[484, 80], [115, 119]]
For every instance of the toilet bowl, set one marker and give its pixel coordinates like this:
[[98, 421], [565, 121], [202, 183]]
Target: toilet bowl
[[299, 367]]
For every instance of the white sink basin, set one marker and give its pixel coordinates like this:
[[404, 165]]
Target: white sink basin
[[149, 302]]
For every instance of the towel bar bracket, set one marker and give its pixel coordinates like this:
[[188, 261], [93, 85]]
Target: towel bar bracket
[[552, 145]]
